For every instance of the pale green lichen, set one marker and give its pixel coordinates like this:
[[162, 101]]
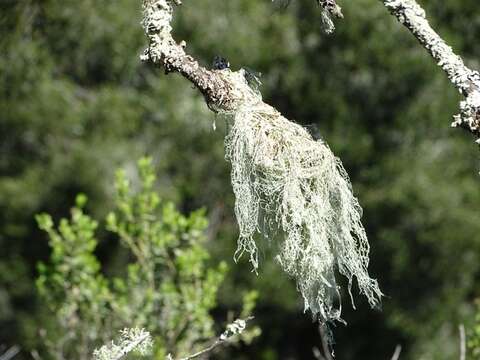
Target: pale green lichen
[[134, 339], [292, 188]]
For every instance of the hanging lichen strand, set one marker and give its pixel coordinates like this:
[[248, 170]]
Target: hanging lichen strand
[[285, 183], [289, 186]]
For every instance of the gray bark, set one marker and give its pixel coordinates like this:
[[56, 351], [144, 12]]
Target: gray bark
[[222, 92], [163, 51], [467, 81]]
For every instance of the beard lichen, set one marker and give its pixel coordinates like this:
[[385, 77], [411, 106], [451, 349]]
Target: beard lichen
[[291, 187]]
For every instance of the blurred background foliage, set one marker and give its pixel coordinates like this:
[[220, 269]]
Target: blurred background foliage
[[76, 104]]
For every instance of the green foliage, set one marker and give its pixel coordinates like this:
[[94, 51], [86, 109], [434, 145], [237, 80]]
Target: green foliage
[[473, 340], [168, 287], [72, 286]]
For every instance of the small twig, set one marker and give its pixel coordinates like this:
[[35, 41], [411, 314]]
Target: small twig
[[133, 345], [35, 355], [10, 353], [130, 339], [396, 354], [204, 351], [325, 345], [317, 354], [466, 80], [235, 328], [461, 330]]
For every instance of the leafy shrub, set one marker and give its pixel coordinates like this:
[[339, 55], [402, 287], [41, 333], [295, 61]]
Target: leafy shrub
[[167, 289]]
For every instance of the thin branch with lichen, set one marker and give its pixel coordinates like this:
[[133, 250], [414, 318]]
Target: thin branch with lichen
[[330, 10], [282, 178], [134, 339], [235, 328], [466, 81]]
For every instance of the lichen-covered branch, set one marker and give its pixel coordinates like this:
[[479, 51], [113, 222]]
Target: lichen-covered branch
[[10, 353], [133, 339], [282, 178], [466, 80], [164, 51], [235, 328], [330, 9], [223, 89]]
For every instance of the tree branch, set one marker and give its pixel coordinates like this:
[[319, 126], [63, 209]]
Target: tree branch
[[223, 89], [327, 352], [466, 80], [283, 156], [233, 329], [163, 51], [396, 353], [10, 353], [224, 92]]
